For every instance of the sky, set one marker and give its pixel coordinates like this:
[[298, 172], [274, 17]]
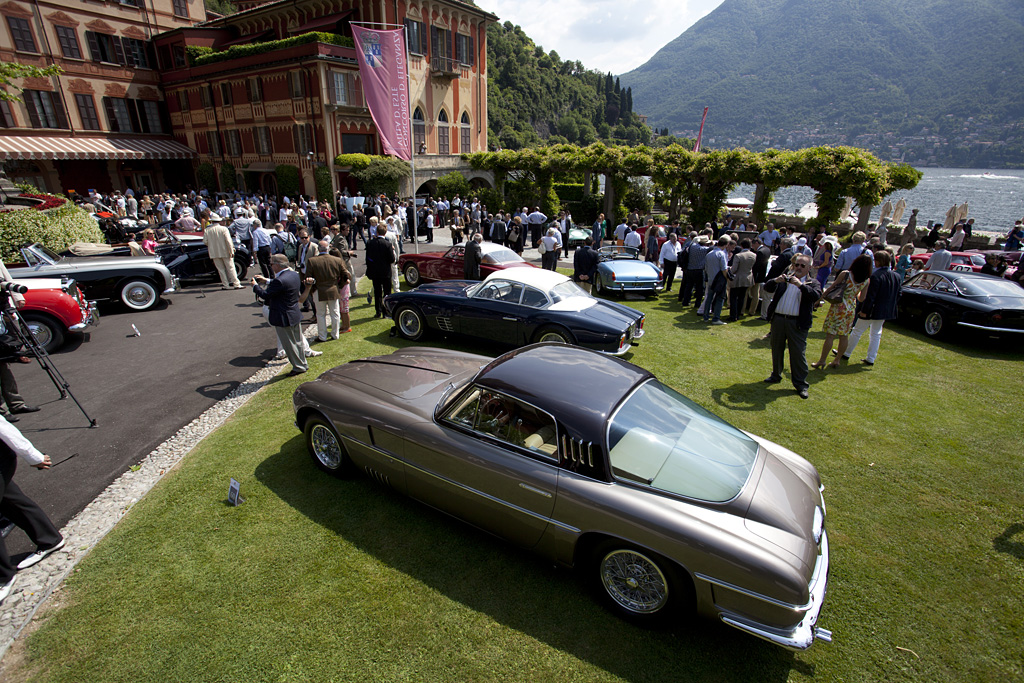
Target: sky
[[605, 35]]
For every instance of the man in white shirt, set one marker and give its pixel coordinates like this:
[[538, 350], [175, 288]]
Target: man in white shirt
[[668, 259], [632, 238], [620, 232], [941, 259], [790, 313]]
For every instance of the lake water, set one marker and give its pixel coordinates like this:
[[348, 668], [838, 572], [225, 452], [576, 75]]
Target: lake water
[[995, 197]]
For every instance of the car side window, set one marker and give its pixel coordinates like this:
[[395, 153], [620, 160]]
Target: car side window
[[506, 419], [534, 298], [500, 290], [456, 253], [924, 281], [944, 285]]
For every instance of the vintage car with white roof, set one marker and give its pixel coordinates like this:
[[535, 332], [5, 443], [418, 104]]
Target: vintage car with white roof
[[450, 264], [517, 306], [590, 462]]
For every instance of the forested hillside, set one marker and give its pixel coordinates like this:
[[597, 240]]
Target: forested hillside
[[534, 97], [939, 70]]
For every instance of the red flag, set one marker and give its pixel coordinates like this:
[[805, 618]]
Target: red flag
[[700, 133], [385, 85]]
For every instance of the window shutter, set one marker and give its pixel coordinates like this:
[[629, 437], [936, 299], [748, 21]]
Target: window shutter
[[472, 50], [332, 92], [118, 50], [295, 139], [94, 46], [133, 114], [58, 108], [433, 42], [111, 116], [423, 38], [33, 114], [126, 50]]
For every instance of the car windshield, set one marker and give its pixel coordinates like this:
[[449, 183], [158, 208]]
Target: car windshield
[[45, 251], [983, 286], [660, 438], [500, 256], [566, 290]]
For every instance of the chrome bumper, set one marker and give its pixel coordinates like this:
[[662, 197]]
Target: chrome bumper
[[803, 635], [93, 318], [1000, 330]]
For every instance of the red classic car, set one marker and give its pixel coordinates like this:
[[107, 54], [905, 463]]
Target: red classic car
[[448, 265], [53, 308], [962, 260]]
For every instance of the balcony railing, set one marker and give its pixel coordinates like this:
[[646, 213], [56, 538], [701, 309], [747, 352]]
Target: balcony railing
[[443, 66]]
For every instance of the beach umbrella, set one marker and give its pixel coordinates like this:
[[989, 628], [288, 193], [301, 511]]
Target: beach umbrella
[[897, 212], [961, 213], [847, 209], [950, 218], [886, 210]]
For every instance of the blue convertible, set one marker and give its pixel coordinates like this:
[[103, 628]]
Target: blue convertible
[[517, 306], [621, 270]]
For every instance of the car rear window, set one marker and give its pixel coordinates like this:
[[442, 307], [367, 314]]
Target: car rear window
[[660, 438]]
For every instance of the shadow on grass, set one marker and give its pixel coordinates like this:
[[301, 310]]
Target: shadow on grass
[[1005, 542], [515, 588], [964, 342]]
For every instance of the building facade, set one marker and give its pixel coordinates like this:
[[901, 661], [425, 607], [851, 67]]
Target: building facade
[[102, 122], [272, 94]]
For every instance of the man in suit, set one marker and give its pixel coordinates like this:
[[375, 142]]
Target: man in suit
[[795, 294], [282, 297], [379, 257], [222, 251], [330, 275], [585, 262], [741, 274], [471, 261], [762, 258], [880, 304]]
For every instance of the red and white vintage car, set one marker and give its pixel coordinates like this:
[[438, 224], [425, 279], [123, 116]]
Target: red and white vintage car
[[54, 308]]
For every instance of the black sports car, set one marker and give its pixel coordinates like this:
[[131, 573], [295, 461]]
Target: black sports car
[[946, 300], [517, 306]]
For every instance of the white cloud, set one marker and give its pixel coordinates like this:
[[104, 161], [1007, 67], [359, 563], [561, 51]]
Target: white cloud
[[606, 35]]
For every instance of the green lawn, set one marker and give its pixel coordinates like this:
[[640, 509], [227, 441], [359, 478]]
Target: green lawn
[[316, 579]]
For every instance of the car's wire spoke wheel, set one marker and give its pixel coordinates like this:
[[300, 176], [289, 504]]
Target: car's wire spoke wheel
[[412, 275], [325, 446], [634, 581], [410, 323], [933, 323]]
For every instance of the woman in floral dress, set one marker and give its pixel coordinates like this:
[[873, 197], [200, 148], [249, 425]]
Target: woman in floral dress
[[841, 316]]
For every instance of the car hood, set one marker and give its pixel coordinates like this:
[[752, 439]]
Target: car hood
[[445, 288], [783, 500]]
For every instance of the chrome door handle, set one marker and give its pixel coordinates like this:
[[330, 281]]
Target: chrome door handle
[[534, 489], [512, 318]]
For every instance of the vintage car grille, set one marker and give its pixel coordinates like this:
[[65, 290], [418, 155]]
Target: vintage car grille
[[445, 324]]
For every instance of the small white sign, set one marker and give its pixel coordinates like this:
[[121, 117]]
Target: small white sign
[[233, 491]]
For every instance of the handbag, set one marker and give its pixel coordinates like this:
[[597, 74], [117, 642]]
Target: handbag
[[542, 248], [834, 294]]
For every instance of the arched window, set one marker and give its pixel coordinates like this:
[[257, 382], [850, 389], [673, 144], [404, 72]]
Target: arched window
[[419, 132], [442, 133], [464, 141]]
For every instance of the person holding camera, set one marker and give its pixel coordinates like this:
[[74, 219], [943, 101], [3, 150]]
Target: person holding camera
[[790, 312], [20, 509]]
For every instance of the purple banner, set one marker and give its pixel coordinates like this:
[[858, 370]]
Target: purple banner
[[383, 69]]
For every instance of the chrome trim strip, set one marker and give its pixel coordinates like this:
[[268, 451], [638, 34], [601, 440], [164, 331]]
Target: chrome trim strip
[[499, 501], [990, 329], [752, 594], [534, 489]]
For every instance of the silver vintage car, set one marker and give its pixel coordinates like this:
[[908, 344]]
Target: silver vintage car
[[592, 462]]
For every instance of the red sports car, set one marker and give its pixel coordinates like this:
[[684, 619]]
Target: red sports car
[[448, 265], [962, 260], [53, 308]]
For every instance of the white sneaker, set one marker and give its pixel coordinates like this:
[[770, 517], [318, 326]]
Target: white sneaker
[[39, 555], [5, 588], [312, 353], [281, 355]]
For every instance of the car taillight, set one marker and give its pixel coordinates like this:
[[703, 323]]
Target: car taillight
[[997, 317], [642, 323], [613, 275], [622, 340]]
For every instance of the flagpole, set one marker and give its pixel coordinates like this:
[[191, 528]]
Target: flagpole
[[412, 135]]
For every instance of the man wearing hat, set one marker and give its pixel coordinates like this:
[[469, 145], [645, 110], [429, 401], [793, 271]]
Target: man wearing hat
[[282, 298], [693, 277], [222, 252]]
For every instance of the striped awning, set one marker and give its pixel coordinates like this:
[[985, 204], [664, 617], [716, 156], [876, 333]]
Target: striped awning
[[62, 148]]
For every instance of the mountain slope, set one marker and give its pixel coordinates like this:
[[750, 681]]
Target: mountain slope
[[845, 66]]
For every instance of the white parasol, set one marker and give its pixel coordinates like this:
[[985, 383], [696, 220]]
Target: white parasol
[[961, 213], [847, 209], [886, 210], [950, 218], [897, 212]]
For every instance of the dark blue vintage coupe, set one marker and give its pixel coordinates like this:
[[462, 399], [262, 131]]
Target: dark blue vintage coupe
[[516, 307]]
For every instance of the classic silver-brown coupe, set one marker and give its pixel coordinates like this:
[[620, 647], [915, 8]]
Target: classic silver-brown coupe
[[592, 462]]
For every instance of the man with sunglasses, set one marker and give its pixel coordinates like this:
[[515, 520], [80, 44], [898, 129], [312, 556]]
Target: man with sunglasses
[[790, 314]]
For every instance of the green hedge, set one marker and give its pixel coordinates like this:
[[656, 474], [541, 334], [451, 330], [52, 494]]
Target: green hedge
[[569, 192], [287, 180], [206, 176], [228, 177], [198, 56], [357, 162], [55, 228], [324, 188]]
